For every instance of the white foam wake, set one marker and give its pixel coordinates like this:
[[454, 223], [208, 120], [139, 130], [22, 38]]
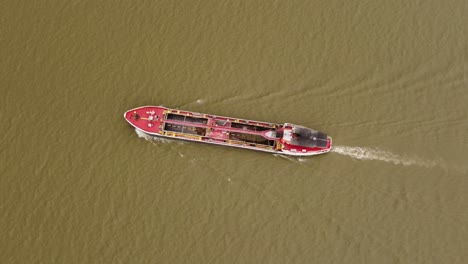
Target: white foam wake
[[155, 140], [198, 102], [363, 153], [150, 138], [143, 135]]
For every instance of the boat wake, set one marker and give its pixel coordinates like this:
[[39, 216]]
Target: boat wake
[[143, 135], [154, 139], [359, 153], [298, 160], [363, 153], [198, 102]]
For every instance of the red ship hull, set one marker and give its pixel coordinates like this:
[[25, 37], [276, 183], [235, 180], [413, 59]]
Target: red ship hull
[[285, 138]]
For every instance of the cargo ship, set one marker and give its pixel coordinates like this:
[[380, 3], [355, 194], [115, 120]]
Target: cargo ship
[[287, 139]]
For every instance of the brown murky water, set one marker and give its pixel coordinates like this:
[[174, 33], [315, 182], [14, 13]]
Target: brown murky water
[[388, 80]]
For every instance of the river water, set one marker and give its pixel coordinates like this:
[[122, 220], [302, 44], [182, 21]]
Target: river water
[[386, 79]]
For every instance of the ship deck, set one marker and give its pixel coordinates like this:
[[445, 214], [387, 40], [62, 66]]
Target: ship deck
[[202, 127]]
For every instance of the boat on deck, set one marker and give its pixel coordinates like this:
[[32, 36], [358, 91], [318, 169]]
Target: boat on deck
[[287, 139]]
